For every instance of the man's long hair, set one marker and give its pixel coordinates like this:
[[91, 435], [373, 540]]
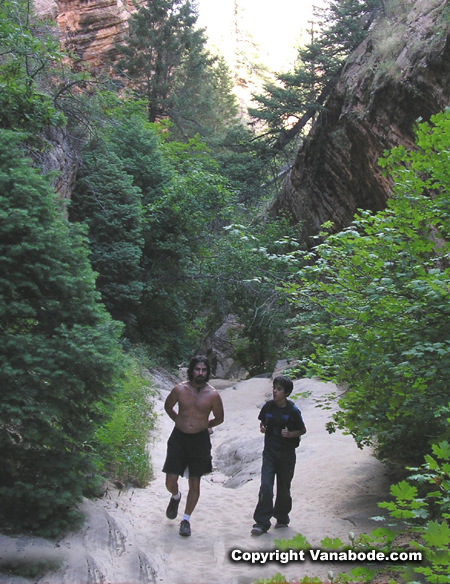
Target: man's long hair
[[193, 362]]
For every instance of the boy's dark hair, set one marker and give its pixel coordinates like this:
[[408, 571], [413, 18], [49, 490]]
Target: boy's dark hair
[[193, 362], [285, 383]]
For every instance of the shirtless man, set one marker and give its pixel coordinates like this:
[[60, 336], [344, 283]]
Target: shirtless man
[[189, 445]]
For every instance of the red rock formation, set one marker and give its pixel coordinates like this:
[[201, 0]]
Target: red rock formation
[[89, 28], [400, 73]]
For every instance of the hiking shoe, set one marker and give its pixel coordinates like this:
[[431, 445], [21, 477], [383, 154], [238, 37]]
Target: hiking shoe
[[258, 530], [281, 525], [172, 508], [185, 528]]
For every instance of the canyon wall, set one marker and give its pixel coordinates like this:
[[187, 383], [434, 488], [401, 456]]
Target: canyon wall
[[399, 74]]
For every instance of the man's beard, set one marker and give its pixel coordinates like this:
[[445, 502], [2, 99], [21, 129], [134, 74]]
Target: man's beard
[[200, 379]]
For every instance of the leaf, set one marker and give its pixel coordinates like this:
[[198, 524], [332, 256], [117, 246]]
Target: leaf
[[437, 534], [442, 450], [299, 542], [331, 544], [404, 491]]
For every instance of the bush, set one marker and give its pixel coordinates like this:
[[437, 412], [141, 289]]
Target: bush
[[122, 441], [374, 304], [59, 353]]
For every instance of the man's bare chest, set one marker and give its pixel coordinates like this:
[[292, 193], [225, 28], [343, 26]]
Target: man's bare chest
[[195, 401]]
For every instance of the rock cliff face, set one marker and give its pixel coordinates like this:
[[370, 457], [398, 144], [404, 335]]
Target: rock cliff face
[[89, 28], [398, 74]]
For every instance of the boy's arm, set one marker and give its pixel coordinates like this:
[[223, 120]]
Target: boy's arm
[[294, 433], [262, 421], [300, 430]]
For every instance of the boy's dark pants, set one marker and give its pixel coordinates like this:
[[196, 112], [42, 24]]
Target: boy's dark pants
[[281, 465]]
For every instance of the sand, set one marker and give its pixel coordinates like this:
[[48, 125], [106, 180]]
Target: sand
[[128, 540]]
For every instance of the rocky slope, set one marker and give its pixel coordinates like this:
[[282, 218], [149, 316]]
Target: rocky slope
[[399, 73]]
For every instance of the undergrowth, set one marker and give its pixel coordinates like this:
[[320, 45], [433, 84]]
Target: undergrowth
[[122, 442]]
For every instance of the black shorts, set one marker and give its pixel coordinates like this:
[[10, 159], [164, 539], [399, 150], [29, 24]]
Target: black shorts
[[188, 450]]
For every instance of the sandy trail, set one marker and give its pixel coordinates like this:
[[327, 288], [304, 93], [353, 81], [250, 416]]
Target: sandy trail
[[127, 538]]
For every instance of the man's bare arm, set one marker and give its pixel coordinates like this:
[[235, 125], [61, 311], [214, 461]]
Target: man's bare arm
[[170, 402], [217, 410]]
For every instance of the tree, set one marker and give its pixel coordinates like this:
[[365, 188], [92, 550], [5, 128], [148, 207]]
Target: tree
[[27, 51], [286, 106], [122, 171], [245, 162], [59, 356], [244, 272], [381, 292], [105, 199], [168, 64], [286, 100], [160, 38], [181, 224], [203, 101]]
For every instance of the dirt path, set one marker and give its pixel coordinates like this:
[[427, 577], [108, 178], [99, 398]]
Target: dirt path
[[128, 540]]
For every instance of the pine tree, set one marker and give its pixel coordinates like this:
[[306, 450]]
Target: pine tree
[[160, 36], [59, 357], [284, 102], [106, 200], [285, 107], [203, 101]]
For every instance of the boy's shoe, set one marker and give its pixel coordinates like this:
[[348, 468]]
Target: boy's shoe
[[172, 508], [258, 530], [185, 528], [281, 525]]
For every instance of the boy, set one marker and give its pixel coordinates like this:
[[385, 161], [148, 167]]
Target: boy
[[282, 425]]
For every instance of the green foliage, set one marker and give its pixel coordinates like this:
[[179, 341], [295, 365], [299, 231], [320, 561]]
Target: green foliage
[[123, 439], [373, 304], [59, 357], [294, 93], [426, 514], [223, 109], [246, 267], [344, 24], [158, 40], [203, 102], [181, 225], [154, 207], [106, 200], [245, 163], [28, 50], [406, 505]]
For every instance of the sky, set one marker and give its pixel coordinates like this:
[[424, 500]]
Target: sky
[[275, 25]]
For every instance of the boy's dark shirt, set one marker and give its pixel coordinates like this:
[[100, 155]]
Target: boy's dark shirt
[[275, 419]]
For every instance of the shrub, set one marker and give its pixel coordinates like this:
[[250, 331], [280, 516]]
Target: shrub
[[122, 441]]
